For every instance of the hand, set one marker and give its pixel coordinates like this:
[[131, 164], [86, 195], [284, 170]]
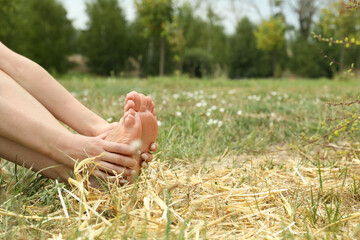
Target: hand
[[106, 129], [115, 159], [148, 157]]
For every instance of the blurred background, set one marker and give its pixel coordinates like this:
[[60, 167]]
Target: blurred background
[[237, 39]]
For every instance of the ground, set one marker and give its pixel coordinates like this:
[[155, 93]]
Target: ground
[[234, 162]]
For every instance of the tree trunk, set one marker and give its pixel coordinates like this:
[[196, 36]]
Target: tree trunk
[[275, 60], [342, 56], [162, 56], [150, 55]]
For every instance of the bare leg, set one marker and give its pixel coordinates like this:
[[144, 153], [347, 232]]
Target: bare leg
[[17, 153], [23, 107], [21, 155]]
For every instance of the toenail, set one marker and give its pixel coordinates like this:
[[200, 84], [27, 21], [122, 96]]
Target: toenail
[[144, 156], [133, 172], [144, 165]]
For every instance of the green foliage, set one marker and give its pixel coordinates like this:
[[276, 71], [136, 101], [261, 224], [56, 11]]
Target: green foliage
[[306, 60], [104, 42], [270, 35], [197, 62], [245, 60], [340, 25], [7, 21], [154, 15], [47, 42], [339, 22]]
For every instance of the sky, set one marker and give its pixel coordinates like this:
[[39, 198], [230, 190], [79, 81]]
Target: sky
[[230, 13]]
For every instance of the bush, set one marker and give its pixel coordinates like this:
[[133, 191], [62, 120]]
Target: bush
[[197, 62]]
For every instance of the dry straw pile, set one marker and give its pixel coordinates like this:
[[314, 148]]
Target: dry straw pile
[[244, 197]]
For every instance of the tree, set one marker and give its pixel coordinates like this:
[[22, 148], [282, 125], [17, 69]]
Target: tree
[[45, 35], [8, 12], [305, 9], [270, 36], [202, 39], [245, 60], [105, 40], [339, 23], [154, 15], [305, 60]]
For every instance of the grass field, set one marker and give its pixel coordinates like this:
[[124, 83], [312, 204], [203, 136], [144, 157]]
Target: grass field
[[232, 164]]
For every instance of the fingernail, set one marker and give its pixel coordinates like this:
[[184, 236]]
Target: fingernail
[[133, 172], [144, 156]]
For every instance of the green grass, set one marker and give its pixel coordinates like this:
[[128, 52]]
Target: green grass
[[204, 120], [273, 112]]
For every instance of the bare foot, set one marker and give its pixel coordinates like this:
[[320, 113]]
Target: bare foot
[[145, 129], [128, 130], [146, 109]]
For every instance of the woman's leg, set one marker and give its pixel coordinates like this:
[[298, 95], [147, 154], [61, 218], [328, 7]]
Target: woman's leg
[[18, 104], [14, 152], [19, 97], [35, 161]]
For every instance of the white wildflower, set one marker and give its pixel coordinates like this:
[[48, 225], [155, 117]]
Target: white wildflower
[[239, 112], [215, 122], [202, 103], [214, 96], [222, 110], [213, 108], [159, 123], [178, 114]]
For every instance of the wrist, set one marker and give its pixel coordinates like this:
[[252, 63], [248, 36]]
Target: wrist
[[62, 150]]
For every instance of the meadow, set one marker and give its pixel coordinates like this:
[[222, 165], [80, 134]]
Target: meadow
[[234, 162]]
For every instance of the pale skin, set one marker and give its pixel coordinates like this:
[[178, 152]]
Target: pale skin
[[32, 103]]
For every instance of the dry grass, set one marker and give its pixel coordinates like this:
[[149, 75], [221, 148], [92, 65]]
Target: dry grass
[[279, 195]]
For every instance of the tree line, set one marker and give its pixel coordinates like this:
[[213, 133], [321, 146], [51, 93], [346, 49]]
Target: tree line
[[168, 38]]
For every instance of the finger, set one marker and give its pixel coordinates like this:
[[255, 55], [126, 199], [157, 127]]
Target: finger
[[144, 164], [147, 157], [153, 147], [120, 148], [117, 159], [113, 169], [109, 178]]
